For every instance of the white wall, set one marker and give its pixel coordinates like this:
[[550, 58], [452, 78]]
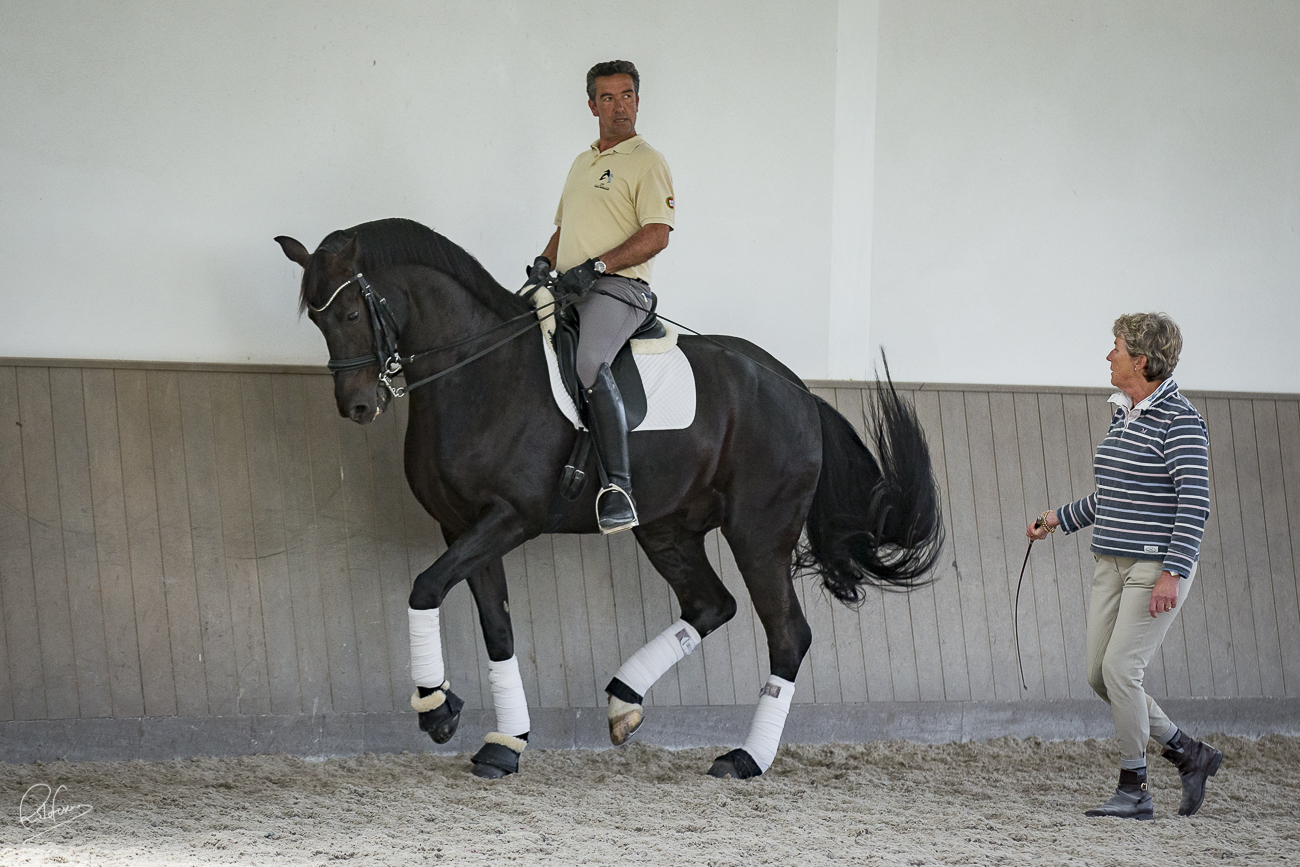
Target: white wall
[[983, 200], [1043, 167], [149, 152]]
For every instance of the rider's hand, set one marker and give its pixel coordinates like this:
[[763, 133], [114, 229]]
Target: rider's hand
[[539, 271], [578, 280]]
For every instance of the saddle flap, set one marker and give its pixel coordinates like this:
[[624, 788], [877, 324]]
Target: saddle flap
[[626, 373]]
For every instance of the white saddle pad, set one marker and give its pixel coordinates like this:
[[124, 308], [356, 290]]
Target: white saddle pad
[[665, 372]]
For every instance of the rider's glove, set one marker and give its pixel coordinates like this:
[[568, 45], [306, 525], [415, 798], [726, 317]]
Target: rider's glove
[[539, 271], [579, 279]]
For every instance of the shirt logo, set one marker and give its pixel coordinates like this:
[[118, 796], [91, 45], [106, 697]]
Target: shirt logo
[[1150, 549], [669, 202], [605, 180]]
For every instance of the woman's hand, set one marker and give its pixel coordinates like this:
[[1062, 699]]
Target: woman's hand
[[1037, 531], [1165, 595]]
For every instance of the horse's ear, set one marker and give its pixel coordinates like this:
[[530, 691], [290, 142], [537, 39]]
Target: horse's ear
[[351, 250], [293, 249]]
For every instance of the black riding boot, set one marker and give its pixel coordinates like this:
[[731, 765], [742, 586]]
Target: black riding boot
[[1196, 762], [615, 509], [1131, 800]]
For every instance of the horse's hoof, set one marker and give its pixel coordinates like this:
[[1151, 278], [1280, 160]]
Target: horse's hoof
[[624, 719], [441, 722], [499, 757], [737, 764]]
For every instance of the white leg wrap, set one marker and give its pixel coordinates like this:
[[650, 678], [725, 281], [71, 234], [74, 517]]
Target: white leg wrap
[[663, 652], [426, 648], [508, 697], [769, 721]]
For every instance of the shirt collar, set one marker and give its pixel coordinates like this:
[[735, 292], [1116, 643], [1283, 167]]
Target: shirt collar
[[1124, 402], [623, 147]]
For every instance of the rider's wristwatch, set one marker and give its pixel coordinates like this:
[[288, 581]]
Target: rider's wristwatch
[[598, 266]]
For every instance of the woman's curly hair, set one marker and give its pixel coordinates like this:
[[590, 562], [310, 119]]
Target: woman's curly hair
[[1154, 335]]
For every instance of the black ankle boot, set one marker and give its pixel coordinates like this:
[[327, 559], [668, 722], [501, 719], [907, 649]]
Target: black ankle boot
[[1196, 762], [1131, 800], [615, 508]]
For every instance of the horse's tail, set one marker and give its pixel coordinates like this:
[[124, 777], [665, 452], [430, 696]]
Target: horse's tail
[[873, 523]]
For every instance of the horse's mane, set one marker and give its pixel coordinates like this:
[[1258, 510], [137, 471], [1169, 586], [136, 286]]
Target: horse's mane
[[397, 241]]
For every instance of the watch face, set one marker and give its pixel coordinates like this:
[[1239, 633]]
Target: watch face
[[599, 266]]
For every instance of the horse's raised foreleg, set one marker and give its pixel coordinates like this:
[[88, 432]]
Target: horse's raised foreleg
[[678, 554], [476, 554], [767, 576]]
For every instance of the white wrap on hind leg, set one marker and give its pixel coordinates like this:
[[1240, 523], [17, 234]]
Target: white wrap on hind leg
[[769, 721], [664, 651]]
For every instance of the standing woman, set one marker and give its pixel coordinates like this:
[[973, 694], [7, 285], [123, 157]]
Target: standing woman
[[1149, 512]]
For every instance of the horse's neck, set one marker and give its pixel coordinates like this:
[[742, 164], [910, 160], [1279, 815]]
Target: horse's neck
[[443, 312]]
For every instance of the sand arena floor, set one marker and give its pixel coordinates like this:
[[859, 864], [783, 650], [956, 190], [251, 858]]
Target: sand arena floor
[[895, 803]]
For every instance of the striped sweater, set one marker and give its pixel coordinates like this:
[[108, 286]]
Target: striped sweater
[[1153, 483]]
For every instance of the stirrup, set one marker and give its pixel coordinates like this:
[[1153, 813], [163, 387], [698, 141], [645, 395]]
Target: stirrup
[[631, 504]]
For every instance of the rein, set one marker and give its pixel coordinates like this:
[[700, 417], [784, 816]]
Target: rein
[[386, 334]]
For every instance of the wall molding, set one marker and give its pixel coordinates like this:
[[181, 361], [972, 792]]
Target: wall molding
[[312, 369], [324, 735]]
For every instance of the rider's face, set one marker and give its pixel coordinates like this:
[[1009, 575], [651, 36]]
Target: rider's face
[[615, 105]]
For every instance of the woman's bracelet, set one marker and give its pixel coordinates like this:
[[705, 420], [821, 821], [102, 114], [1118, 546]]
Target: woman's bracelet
[[1042, 520]]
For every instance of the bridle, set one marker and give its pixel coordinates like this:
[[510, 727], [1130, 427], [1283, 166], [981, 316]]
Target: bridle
[[387, 333]]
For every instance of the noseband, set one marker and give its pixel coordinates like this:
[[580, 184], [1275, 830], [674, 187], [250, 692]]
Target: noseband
[[384, 326], [386, 334]]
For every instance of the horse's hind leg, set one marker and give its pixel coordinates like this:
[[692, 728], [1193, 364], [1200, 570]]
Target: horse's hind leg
[[678, 553], [766, 569]]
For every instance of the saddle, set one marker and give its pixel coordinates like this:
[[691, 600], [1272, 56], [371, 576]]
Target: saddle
[[626, 374]]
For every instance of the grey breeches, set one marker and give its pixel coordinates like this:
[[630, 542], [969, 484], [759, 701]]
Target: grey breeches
[[606, 323]]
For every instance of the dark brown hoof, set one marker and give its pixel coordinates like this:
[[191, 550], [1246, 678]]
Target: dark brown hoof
[[736, 764]]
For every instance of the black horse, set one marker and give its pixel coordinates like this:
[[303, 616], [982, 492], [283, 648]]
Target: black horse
[[765, 460]]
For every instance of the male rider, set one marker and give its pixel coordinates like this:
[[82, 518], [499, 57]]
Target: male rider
[[615, 215]]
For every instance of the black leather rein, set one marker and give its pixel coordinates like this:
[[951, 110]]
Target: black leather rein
[[386, 335]]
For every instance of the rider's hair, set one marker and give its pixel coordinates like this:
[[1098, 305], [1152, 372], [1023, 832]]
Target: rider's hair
[[612, 67]]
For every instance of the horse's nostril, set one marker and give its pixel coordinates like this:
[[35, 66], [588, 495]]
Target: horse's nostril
[[360, 411]]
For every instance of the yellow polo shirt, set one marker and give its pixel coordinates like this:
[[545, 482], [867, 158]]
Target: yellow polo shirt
[[608, 197]]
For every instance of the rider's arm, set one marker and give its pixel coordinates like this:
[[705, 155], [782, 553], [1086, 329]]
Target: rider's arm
[[552, 250], [647, 242]]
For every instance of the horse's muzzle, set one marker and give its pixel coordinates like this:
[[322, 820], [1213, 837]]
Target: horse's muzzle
[[367, 408]]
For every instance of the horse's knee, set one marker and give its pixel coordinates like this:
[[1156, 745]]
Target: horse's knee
[[707, 618], [427, 591]]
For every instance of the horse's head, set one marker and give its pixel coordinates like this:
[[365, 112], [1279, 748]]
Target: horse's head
[[344, 317]]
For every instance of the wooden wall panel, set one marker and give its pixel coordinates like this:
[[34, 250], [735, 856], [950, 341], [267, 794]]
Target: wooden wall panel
[[1288, 424], [76, 512], [45, 526], [112, 552], [294, 461], [214, 543], [270, 545], [17, 582], [139, 487], [208, 545], [172, 486]]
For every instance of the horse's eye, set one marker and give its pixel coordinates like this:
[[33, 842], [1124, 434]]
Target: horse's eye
[[354, 315]]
